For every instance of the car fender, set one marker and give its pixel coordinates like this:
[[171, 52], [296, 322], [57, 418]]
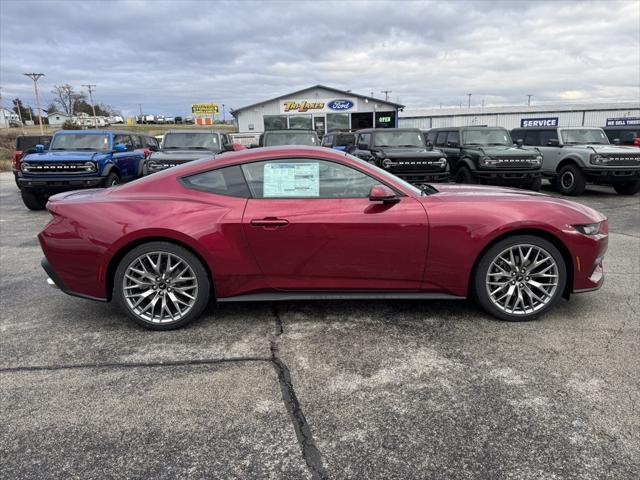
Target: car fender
[[108, 167], [573, 158], [466, 162]]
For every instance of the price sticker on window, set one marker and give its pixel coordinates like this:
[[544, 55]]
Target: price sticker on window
[[291, 180]]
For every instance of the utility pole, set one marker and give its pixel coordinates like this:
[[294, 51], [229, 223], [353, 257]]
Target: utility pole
[[386, 94], [35, 77], [529, 95], [469, 95], [223, 120], [90, 87]]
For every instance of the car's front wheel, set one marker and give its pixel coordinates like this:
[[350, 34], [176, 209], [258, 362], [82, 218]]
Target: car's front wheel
[[520, 278], [627, 188], [571, 180], [465, 175], [161, 286], [112, 180], [535, 184], [32, 200]]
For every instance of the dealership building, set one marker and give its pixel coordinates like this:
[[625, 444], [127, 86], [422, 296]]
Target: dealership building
[[318, 108], [576, 115]]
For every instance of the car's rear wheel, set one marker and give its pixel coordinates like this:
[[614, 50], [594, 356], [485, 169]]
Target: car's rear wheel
[[464, 175], [161, 286], [571, 180], [520, 278], [627, 188], [32, 200]]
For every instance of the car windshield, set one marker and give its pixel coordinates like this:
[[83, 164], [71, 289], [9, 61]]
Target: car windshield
[[191, 141], [386, 175], [584, 135], [399, 139], [486, 136], [81, 141], [272, 139]]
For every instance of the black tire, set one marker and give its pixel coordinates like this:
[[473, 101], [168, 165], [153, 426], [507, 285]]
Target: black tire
[[202, 295], [535, 185], [464, 175], [112, 180], [33, 201], [17, 183], [480, 285], [627, 188], [571, 181]]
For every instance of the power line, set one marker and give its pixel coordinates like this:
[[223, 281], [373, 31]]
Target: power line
[[386, 94], [35, 77]]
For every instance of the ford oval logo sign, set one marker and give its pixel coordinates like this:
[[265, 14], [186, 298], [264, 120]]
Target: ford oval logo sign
[[340, 104]]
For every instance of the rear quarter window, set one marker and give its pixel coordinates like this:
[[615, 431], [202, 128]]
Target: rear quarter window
[[227, 181]]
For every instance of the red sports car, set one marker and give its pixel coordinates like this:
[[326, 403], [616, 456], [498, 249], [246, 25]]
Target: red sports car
[[294, 223]]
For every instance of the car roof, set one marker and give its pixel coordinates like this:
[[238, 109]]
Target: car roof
[[621, 127], [94, 132], [193, 130], [370, 130]]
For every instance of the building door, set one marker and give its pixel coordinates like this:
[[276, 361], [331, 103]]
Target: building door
[[319, 126]]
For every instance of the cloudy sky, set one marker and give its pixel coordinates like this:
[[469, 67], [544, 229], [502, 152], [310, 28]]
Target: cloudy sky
[[167, 55]]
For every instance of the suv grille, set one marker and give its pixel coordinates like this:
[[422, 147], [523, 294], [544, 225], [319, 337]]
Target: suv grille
[[58, 167], [416, 164], [514, 162], [622, 159]]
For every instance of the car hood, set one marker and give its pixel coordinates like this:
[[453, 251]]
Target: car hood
[[606, 149], [499, 151], [475, 194], [406, 152], [63, 156], [184, 155]]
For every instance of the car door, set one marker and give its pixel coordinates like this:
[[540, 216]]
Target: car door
[[551, 156], [311, 226], [126, 161]]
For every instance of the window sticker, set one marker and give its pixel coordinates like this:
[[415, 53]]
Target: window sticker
[[291, 180]]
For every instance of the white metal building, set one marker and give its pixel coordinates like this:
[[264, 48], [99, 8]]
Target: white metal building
[[58, 118], [8, 118], [575, 115], [319, 108]]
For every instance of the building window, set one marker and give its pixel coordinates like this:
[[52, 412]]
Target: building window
[[275, 122], [337, 121], [300, 121]]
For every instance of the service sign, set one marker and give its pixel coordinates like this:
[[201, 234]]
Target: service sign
[[618, 122], [321, 105], [204, 108], [539, 122]]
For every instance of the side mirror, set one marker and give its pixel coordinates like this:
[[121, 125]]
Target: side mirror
[[363, 146], [382, 193], [554, 142], [520, 142], [39, 148], [452, 144], [120, 147], [228, 147], [429, 144], [616, 141]]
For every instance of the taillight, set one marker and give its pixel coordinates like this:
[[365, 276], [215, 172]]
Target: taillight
[[17, 156], [636, 141]]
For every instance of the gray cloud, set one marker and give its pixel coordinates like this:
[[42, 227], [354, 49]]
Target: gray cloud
[[167, 55]]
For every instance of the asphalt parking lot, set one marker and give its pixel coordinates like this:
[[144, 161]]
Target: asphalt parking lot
[[375, 390]]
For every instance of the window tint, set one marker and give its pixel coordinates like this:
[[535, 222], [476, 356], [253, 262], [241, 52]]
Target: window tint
[[326, 140], [431, 137], [441, 138], [306, 178], [453, 139], [531, 137], [365, 138], [547, 135], [223, 181]]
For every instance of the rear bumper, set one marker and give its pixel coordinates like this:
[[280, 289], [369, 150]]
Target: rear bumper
[[57, 281], [59, 184]]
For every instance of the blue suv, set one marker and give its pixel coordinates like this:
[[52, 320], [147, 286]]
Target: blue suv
[[79, 159]]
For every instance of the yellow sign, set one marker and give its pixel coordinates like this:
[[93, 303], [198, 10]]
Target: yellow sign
[[204, 108], [302, 106], [131, 121]]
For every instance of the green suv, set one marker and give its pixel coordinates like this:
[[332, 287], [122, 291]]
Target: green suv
[[487, 155]]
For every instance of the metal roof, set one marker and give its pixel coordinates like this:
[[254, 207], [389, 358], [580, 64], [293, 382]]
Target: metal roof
[[547, 108], [341, 92]]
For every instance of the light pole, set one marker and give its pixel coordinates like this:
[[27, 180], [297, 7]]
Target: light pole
[[469, 95], [386, 94], [90, 87], [35, 77], [223, 119], [529, 95]]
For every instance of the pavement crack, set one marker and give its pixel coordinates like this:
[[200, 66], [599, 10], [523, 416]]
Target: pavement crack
[[278, 319], [310, 451], [115, 365]]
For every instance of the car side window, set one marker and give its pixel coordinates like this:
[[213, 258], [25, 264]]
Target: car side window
[[531, 138], [306, 178], [547, 135], [365, 138], [124, 139], [137, 141], [453, 139], [441, 139], [431, 137], [326, 141], [223, 181]]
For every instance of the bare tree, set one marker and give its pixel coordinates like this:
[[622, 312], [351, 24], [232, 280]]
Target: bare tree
[[66, 97]]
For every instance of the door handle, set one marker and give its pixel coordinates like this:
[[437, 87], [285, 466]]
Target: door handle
[[270, 222]]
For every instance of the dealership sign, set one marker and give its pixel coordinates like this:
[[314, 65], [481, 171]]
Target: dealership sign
[[204, 108], [617, 122], [316, 106], [539, 122]]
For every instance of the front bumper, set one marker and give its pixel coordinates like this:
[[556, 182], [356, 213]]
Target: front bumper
[[59, 184], [612, 174], [508, 177], [588, 253]]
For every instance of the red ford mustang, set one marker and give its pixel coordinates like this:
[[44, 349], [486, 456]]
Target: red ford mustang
[[291, 223]]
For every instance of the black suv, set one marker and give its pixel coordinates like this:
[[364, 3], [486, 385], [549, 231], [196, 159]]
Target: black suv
[[339, 140], [487, 155], [624, 135], [402, 152]]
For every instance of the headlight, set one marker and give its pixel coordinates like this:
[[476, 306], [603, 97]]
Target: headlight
[[599, 160], [441, 162], [387, 163], [24, 167], [488, 161], [588, 229], [537, 160], [90, 166]]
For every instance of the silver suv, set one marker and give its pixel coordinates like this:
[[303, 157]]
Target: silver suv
[[573, 156]]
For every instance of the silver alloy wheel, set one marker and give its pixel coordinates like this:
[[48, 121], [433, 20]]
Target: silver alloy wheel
[[522, 279], [567, 180], [160, 287], [114, 182]]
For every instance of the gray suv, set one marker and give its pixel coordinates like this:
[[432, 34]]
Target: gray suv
[[573, 156]]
